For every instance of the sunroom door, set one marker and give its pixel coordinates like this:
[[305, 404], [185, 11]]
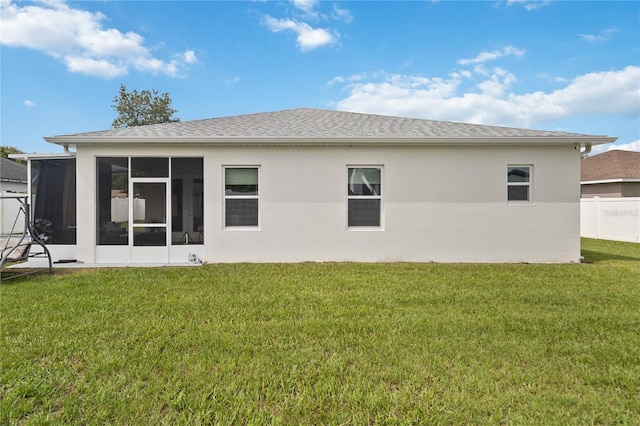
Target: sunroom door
[[149, 235]]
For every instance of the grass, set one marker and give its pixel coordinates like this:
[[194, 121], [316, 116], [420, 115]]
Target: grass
[[327, 344]]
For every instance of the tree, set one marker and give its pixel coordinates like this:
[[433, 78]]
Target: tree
[[6, 150], [139, 109]]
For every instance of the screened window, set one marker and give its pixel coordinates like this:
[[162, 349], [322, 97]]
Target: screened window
[[519, 183], [364, 196], [187, 201], [53, 192], [241, 196], [149, 167], [113, 200]]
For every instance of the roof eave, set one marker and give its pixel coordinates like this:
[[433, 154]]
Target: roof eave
[[583, 141], [41, 156], [610, 180]]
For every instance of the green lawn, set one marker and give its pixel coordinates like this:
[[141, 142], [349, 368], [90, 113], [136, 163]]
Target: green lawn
[[327, 344]]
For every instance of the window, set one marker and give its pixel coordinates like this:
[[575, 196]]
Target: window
[[240, 196], [53, 192], [187, 201], [519, 183], [148, 205], [364, 196], [149, 167], [113, 201]]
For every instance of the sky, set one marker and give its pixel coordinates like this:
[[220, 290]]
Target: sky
[[565, 65]]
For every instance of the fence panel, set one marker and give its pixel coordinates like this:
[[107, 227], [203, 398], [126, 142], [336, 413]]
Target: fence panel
[[10, 213], [610, 218]]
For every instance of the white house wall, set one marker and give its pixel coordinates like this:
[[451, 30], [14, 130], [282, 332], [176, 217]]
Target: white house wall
[[440, 203], [18, 187]]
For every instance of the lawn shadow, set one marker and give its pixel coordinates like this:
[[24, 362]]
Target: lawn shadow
[[17, 276], [591, 256]]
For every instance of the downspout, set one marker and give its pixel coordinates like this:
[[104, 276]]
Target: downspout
[[66, 150], [587, 150]]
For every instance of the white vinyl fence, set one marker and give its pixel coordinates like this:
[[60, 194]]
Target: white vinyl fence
[[10, 214], [120, 209], [610, 218]]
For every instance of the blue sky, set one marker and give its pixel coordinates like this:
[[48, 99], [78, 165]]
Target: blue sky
[[554, 65]]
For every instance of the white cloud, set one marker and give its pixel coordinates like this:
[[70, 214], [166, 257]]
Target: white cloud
[[97, 67], [497, 83], [631, 146], [231, 81], [492, 100], [308, 9], [336, 80], [492, 56], [354, 78], [607, 92], [78, 39], [29, 103], [305, 5], [596, 38], [341, 14], [529, 4], [190, 57], [308, 38]]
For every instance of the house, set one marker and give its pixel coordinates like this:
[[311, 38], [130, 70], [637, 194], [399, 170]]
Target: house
[[610, 204], [13, 179], [613, 173], [313, 185], [13, 176]]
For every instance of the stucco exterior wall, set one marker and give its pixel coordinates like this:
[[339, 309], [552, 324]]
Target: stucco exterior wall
[[611, 190], [631, 189], [440, 203]]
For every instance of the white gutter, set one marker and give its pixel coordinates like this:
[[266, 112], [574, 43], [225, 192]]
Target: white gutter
[[41, 156], [614, 180]]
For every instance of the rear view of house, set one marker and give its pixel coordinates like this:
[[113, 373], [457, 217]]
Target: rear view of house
[[315, 185]]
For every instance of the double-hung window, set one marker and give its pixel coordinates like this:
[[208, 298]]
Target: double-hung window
[[241, 196], [519, 183], [364, 196]]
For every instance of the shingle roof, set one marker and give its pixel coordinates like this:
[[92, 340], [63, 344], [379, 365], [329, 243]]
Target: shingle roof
[[615, 164], [10, 171], [315, 123]]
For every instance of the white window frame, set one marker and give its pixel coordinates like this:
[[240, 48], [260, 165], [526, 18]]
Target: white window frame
[[528, 184], [226, 197], [366, 197]]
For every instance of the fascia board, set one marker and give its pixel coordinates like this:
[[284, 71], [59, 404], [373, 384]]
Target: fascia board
[[615, 180], [40, 156], [292, 141]]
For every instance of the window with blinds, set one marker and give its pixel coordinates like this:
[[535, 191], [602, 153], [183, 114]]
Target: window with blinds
[[241, 204]]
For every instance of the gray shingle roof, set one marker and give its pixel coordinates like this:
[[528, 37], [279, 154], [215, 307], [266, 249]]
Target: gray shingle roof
[[10, 171], [315, 123], [616, 164]]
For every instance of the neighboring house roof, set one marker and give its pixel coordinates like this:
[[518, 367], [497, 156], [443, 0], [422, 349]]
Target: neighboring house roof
[[308, 125], [615, 165], [10, 171]]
